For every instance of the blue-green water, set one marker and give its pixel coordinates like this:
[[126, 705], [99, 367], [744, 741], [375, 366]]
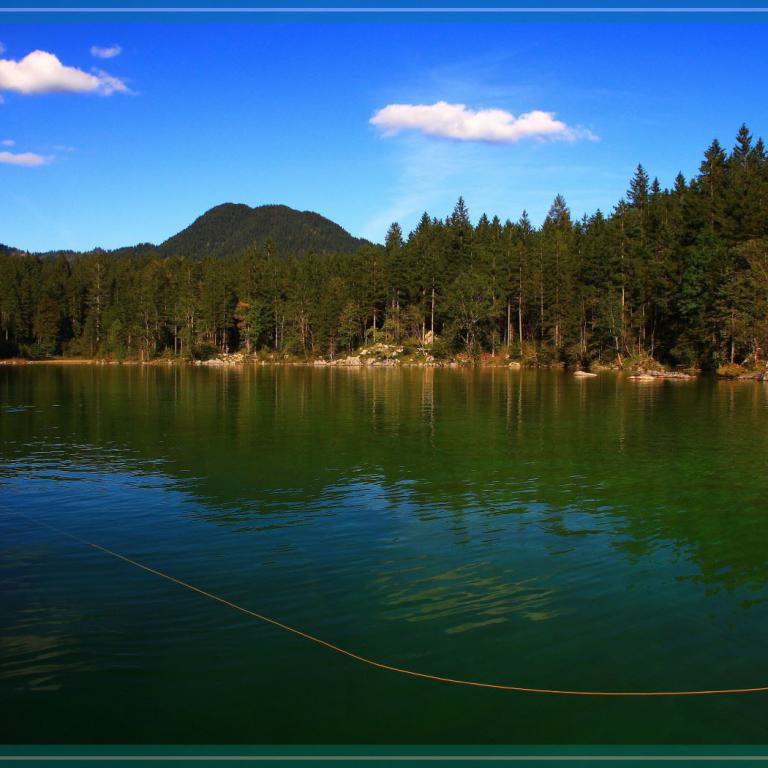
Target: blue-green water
[[524, 528]]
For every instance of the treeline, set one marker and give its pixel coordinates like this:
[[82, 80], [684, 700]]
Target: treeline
[[680, 275]]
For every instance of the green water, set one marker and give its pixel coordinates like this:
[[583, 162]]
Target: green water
[[515, 527]]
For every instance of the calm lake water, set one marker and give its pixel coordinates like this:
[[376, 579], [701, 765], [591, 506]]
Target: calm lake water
[[515, 527]]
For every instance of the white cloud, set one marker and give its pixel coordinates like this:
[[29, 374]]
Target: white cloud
[[109, 84], [106, 53], [28, 159], [42, 72], [7, 142], [455, 121]]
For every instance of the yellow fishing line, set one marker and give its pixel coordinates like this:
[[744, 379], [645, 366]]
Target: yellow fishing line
[[373, 662]]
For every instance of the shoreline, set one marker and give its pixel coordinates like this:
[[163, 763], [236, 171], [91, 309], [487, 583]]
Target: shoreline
[[239, 360], [218, 362]]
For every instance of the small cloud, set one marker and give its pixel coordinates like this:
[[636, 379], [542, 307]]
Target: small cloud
[[28, 159], [109, 84], [106, 53], [42, 72], [455, 121], [2, 48], [8, 143]]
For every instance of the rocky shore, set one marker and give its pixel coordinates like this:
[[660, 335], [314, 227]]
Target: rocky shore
[[653, 375], [740, 373], [383, 355]]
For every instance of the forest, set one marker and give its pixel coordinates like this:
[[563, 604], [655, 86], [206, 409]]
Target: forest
[[678, 275]]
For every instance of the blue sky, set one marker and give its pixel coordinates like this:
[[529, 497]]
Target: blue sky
[[190, 115]]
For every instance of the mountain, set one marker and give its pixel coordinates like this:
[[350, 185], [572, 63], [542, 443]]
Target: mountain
[[228, 229]]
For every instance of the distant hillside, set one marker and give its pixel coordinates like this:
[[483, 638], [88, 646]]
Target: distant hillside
[[228, 229], [6, 250]]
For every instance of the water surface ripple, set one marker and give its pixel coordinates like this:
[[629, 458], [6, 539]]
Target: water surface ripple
[[524, 528]]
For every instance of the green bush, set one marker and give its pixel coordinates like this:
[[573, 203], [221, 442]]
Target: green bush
[[441, 348], [204, 352], [36, 351], [731, 371]]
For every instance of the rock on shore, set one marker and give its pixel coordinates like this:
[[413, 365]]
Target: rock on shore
[[651, 375]]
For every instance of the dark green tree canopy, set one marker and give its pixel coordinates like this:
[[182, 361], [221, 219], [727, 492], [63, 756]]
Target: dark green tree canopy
[[677, 274]]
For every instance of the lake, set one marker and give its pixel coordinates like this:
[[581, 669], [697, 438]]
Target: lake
[[517, 527]]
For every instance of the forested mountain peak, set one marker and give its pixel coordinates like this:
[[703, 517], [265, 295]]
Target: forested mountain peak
[[228, 229]]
